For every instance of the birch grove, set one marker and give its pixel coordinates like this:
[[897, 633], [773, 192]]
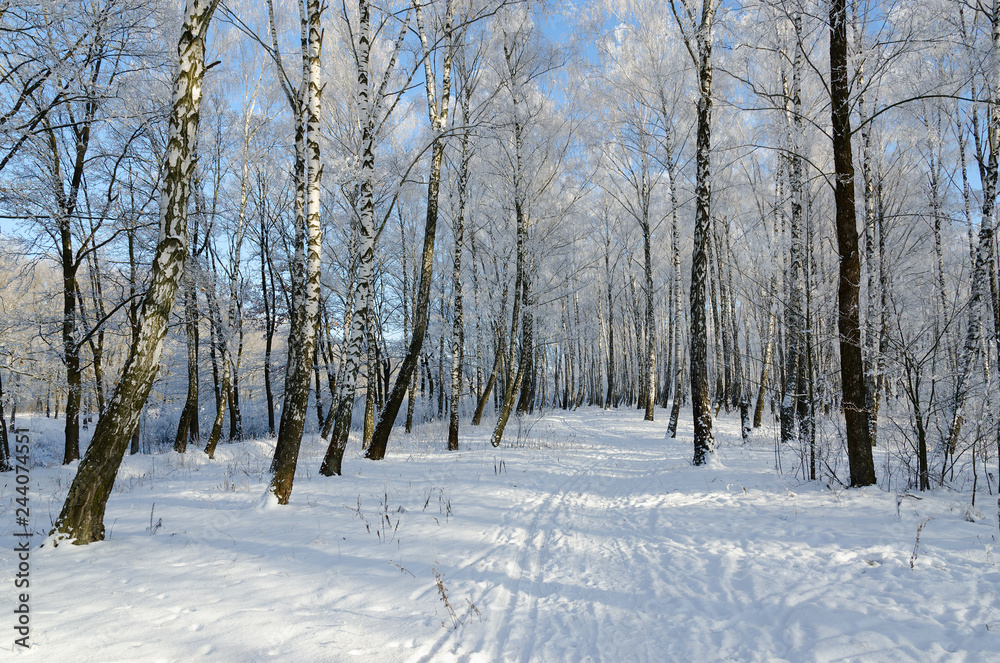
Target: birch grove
[[777, 210]]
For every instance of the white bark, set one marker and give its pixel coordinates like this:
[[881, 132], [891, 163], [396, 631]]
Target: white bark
[[306, 266], [82, 515]]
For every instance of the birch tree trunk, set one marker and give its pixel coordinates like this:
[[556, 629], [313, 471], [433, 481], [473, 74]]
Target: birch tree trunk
[[676, 360], [699, 47], [82, 517], [491, 380], [438, 113], [719, 338], [305, 277], [269, 298], [187, 428], [67, 188], [770, 334], [411, 392], [220, 410], [67, 204], [440, 368], [737, 386], [794, 321], [982, 275], [650, 320], [611, 327], [877, 287], [515, 374], [479, 318], [227, 328], [96, 341], [132, 315], [351, 362], [371, 387], [296, 288], [458, 331]]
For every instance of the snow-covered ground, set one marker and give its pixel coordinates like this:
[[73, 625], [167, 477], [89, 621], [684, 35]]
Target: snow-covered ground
[[587, 537]]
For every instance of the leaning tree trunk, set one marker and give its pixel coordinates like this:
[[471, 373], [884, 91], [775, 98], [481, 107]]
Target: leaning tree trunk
[[675, 410], [82, 517], [852, 369], [515, 374], [187, 428], [220, 410], [411, 392], [133, 320], [438, 112], [514, 381], [484, 397], [521, 285], [387, 417], [227, 329]]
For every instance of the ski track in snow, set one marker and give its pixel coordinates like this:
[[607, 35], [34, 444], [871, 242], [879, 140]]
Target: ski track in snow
[[587, 537]]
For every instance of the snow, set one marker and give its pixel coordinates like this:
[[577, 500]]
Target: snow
[[586, 537]]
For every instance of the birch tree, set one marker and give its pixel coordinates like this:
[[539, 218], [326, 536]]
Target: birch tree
[[229, 329], [82, 517], [373, 112], [438, 108], [984, 264], [632, 184], [532, 163], [467, 75], [697, 34], [794, 319], [305, 267]]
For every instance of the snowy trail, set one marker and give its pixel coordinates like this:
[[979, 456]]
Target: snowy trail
[[516, 553], [583, 580], [587, 537]]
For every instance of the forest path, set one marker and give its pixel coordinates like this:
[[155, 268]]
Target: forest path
[[598, 541], [569, 574]]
